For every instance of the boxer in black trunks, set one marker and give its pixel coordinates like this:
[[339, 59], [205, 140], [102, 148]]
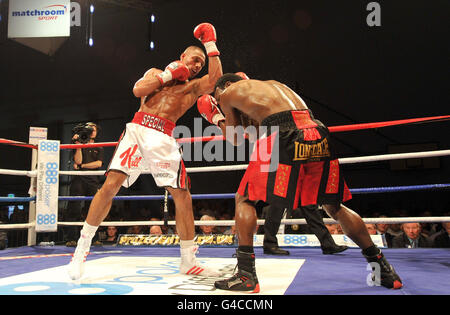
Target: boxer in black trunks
[[307, 171]]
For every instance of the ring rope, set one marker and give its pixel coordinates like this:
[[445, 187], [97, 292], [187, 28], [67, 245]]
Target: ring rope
[[18, 172], [341, 128], [354, 191], [239, 167], [17, 143], [17, 226], [396, 220]]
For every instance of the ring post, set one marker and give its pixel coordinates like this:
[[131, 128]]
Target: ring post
[[36, 134]]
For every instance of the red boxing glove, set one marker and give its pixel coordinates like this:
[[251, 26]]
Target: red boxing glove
[[206, 33], [174, 71], [207, 107], [242, 75]]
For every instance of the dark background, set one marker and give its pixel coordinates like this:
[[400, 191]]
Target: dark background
[[346, 71]]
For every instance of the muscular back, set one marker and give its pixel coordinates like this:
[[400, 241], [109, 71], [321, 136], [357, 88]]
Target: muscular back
[[260, 99]]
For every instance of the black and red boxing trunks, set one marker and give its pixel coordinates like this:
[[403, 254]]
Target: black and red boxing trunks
[[293, 164]]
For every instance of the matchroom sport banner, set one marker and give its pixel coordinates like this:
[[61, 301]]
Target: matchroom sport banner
[[39, 18]]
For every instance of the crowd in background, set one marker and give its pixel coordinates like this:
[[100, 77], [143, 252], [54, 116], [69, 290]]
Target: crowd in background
[[407, 235]]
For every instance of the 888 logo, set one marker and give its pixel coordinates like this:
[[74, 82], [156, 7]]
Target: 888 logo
[[295, 239], [51, 172], [49, 146], [46, 219]]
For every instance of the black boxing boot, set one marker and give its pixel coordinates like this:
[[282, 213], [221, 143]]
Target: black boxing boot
[[245, 278], [334, 250], [387, 276], [275, 250]]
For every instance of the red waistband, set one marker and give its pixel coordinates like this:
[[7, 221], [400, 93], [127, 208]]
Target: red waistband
[[154, 122], [303, 119]]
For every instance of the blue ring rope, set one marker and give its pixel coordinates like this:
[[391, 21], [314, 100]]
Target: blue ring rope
[[354, 191]]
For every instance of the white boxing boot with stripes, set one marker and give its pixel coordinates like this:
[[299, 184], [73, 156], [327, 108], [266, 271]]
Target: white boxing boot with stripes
[[75, 269], [189, 264]]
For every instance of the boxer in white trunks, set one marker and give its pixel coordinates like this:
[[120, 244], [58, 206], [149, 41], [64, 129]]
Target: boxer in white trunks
[[147, 143]]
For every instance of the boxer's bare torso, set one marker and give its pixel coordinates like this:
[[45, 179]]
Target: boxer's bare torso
[[172, 100]]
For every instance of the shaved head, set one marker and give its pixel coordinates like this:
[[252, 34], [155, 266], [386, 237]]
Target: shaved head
[[193, 49]]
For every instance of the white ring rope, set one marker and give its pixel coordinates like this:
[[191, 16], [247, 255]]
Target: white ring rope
[[348, 160], [398, 220], [16, 226], [17, 172], [394, 156]]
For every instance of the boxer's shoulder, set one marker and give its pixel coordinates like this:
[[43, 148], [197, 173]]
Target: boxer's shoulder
[[152, 72]]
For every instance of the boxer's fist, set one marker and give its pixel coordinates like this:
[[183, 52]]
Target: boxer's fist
[[206, 33], [207, 107], [242, 75], [174, 71]]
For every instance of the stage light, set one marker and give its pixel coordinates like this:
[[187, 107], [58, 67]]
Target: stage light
[[151, 43], [89, 29]]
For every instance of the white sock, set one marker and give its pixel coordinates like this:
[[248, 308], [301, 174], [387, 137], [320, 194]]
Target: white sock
[[88, 231], [187, 252], [186, 244]]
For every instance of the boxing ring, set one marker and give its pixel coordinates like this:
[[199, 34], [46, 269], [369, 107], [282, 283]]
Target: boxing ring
[[152, 269]]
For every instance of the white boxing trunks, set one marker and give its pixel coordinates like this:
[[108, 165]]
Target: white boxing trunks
[[147, 145]]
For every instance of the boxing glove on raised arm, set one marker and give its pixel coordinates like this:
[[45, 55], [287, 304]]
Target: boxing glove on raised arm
[[206, 33]]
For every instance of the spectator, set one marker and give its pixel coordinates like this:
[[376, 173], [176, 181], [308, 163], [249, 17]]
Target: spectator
[[171, 229], [136, 229], [155, 230], [428, 228], [3, 233], [222, 229], [395, 230], [371, 228], [332, 228], [18, 216], [382, 229], [207, 229], [441, 239], [17, 237], [411, 237], [111, 235], [231, 230]]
